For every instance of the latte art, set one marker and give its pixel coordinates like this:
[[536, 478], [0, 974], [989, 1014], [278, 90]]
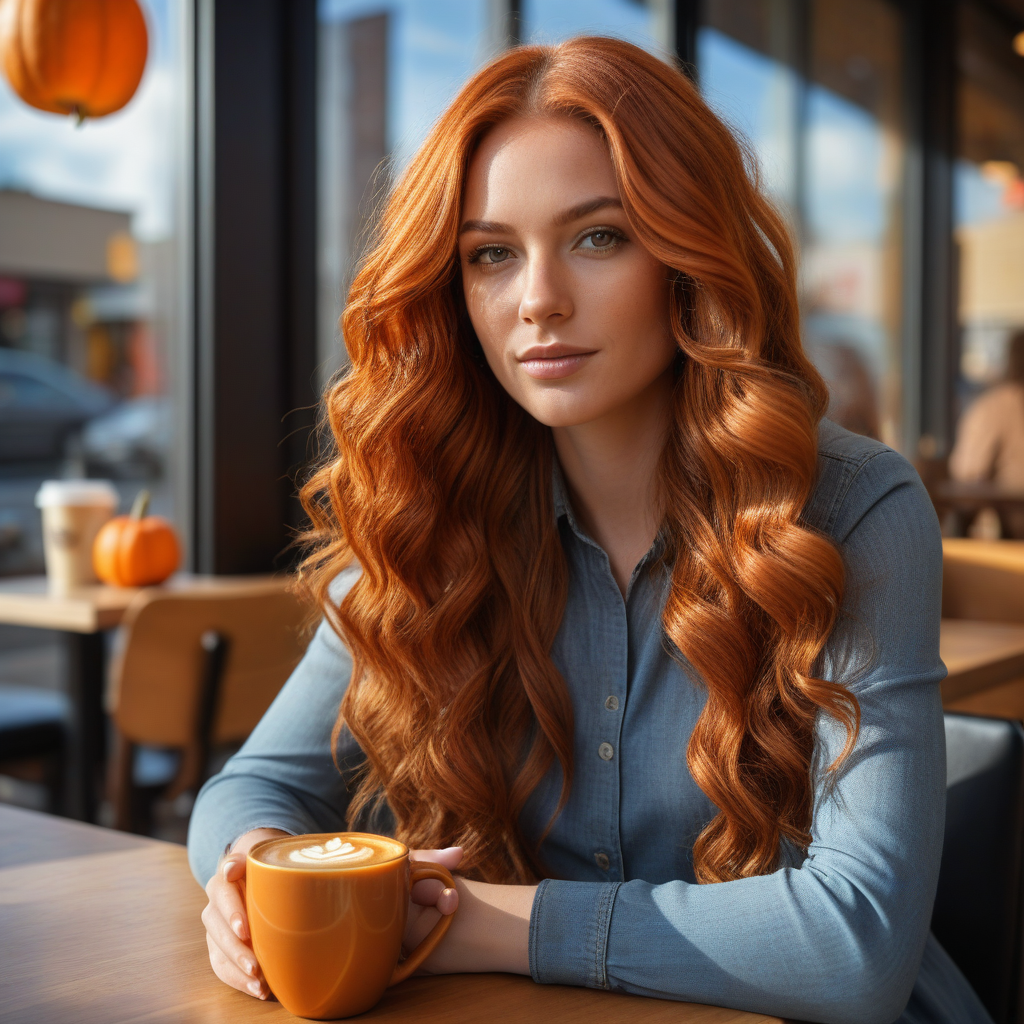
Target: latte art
[[334, 851], [328, 851]]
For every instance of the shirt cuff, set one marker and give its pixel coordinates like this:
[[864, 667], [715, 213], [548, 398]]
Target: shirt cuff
[[569, 927]]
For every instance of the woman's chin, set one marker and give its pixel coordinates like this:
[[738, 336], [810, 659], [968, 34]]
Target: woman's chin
[[564, 415]]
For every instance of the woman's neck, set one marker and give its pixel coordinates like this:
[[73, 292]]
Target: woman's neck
[[610, 467]]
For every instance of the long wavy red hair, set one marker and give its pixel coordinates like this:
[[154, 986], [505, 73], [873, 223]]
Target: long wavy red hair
[[439, 485]]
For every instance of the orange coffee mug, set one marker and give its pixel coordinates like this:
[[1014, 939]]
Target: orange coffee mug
[[327, 913]]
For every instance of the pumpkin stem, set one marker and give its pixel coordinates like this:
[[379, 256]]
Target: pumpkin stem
[[141, 504], [79, 116]]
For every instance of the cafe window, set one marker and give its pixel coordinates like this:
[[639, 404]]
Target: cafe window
[[385, 73], [93, 273], [816, 91], [988, 197], [644, 22]]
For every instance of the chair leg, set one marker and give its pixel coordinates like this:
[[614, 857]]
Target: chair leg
[[120, 785], [56, 782]]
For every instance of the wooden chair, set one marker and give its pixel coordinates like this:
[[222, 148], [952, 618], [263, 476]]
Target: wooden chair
[[196, 670], [984, 580]]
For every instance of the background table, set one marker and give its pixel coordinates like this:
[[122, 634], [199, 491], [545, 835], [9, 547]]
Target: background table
[[961, 502], [101, 926], [82, 617], [979, 655]]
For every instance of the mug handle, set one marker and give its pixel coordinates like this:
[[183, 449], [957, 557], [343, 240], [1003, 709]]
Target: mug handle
[[436, 934]]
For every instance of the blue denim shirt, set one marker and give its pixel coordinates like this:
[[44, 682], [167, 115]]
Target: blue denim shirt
[[840, 934]]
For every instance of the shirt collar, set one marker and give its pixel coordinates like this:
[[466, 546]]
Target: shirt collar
[[563, 507], [559, 493]]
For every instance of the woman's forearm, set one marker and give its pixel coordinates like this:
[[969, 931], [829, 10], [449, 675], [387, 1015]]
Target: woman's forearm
[[490, 932]]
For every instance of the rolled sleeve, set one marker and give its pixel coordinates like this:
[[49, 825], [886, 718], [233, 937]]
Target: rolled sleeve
[[569, 927]]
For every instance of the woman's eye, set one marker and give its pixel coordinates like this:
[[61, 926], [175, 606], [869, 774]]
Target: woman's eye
[[493, 255], [598, 240]]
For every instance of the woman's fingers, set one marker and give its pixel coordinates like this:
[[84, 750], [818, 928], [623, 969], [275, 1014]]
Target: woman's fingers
[[227, 929], [448, 901], [450, 857], [232, 867], [431, 892], [221, 933], [229, 973]]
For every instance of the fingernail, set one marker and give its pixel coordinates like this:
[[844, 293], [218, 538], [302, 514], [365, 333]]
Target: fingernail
[[249, 967], [255, 988], [451, 849], [236, 925]]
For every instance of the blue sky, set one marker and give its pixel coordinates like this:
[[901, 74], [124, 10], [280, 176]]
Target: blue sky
[[845, 198], [975, 198], [549, 21]]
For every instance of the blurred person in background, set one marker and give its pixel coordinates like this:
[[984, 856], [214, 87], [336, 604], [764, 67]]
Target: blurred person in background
[[852, 400], [990, 436]]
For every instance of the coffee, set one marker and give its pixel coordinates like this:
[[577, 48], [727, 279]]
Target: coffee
[[335, 852], [327, 913], [73, 512]]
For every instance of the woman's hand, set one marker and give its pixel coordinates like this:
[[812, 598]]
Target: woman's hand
[[430, 899], [227, 927], [491, 931]]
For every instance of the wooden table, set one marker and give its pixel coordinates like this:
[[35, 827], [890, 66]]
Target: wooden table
[[963, 501], [979, 655], [82, 617], [100, 926]]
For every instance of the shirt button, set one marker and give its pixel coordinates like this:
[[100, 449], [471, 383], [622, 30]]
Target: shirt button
[[612, 703], [606, 751], [602, 861]]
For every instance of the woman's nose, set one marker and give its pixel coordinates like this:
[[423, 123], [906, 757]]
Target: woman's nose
[[546, 294]]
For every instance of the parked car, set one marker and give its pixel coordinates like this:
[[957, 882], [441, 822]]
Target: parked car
[[131, 441], [42, 405]]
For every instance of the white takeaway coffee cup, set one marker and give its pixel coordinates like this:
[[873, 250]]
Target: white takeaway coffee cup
[[73, 512]]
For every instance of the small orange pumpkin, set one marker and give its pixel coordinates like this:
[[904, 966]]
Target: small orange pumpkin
[[81, 57], [136, 550]]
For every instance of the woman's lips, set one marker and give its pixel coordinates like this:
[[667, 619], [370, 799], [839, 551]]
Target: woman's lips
[[555, 366]]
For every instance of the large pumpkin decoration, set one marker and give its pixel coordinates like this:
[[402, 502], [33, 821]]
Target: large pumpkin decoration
[[80, 57], [136, 550]]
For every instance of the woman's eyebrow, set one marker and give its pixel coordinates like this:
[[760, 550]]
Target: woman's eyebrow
[[565, 217], [491, 227], [582, 209]]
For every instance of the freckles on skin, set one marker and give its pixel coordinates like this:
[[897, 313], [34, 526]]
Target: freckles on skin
[[571, 310]]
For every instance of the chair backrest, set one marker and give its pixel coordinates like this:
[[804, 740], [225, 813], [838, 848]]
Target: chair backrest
[[983, 579], [978, 906], [156, 682]]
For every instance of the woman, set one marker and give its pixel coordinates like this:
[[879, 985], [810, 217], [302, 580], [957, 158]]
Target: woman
[[990, 436], [607, 609]]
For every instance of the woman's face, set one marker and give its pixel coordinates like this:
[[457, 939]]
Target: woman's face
[[572, 312]]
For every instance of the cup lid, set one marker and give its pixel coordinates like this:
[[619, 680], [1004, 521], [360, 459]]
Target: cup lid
[[77, 492]]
